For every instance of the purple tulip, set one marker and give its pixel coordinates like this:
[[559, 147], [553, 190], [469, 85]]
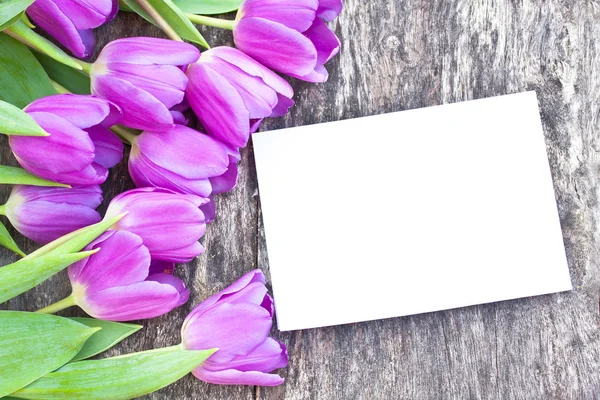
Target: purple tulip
[[80, 148], [44, 214], [114, 284], [169, 223], [71, 21], [180, 159], [230, 93], [237, 321], [289, 36], [144, 77]]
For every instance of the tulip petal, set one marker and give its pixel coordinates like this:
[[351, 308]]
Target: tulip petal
[[108, 147], [145, 173], [165, 82], [179, 118], [275, 45], [144, 50], [169, 279], [86, 14], [282, 107], [218, 105], [234, 377], [140, 109], [209, 209], [242, 61], [329, 9], [235, 329], [258, 98], [226, 181], [142, 300], [123, 260], [186, 152], [90, 196], [47, 15], [267, 357], [82, 111], [161, 267], [325, 41], [249, 278], [295, 14]]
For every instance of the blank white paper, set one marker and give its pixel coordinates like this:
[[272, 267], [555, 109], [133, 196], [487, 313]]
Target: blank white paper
[[409, 212]]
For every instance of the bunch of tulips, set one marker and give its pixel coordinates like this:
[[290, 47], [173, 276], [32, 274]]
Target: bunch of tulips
[[184, 115]]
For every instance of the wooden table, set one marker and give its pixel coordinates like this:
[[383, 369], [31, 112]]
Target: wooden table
[[398, 55]]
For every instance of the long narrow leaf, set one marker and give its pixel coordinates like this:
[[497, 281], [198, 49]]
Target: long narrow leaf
[[110, 334], [75, 81], [18, 176], [32, 345], [208, 6], [14, 121], [23, 79], [123, 377], [7, 241], [174, 16], [11, 9]]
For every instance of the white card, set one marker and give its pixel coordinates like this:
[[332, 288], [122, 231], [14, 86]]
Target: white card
[[409, 212]]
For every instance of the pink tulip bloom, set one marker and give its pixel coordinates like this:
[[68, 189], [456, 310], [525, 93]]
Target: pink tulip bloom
[[237, 321], [289, 36], [114, 284], [44, 214], [71, 21], [80, 148], [169, 223], [231, 93], [144, 77]]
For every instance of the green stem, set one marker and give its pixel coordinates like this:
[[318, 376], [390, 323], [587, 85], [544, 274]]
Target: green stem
[[125, 134], [3, 209], [68, 301], [160, 21], [210, 21], [60, 88], [87, 67]]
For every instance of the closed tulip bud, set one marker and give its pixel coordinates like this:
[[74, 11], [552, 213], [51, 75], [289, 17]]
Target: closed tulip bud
[[237, 321], [114, 284], [170, 223], [289, 36], [231, 93], [71, 22], [144, 77], [80, 148], [44, 214], [180, 159]]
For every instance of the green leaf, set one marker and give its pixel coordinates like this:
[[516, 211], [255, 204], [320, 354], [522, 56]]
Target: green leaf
[[14, 121], [122, 377], [208, 6], [23, 79], [41, 44], [7, 241], [20, 276], [174, 17], [18, 176], [110, 334], [11, 9], [75, 81], [32, 345], [11, 21]]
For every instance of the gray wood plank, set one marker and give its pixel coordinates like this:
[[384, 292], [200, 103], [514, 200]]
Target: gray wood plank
[[401, 55]]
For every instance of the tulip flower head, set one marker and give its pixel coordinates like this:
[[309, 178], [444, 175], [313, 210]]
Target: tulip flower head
[[180, 159], [237, 321], [169, 223], [144, 77], [289, 36], [80, 148], [71, 22], [231, 93], [114, 284], [44, 214]]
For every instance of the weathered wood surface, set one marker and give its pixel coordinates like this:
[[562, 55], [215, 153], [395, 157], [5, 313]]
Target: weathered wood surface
[[404, 54]]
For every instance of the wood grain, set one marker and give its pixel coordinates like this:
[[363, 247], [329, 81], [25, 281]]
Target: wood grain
[[399, 55]]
